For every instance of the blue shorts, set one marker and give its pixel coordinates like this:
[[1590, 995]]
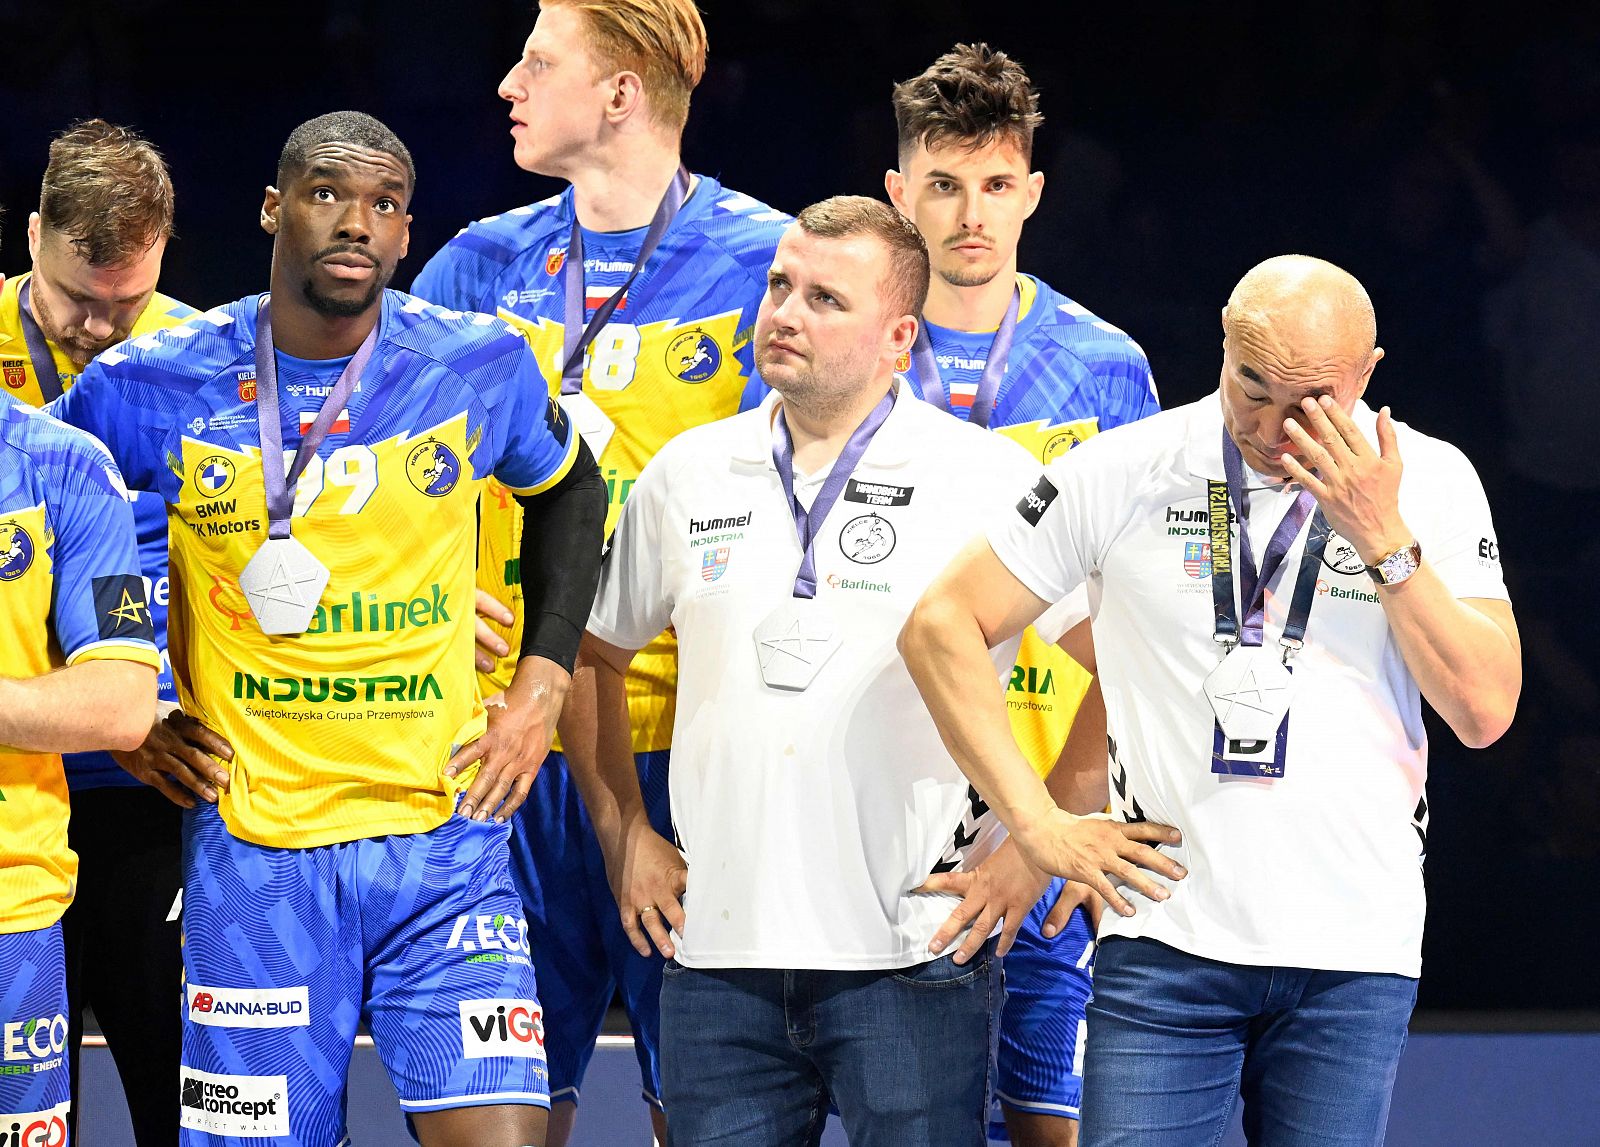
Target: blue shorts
[[1042, 1028], [34, 1086], [287, 949], [582, 954]]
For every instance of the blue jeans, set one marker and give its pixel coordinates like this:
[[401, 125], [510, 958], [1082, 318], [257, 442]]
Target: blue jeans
[[751, 1057], [1173, 1038]]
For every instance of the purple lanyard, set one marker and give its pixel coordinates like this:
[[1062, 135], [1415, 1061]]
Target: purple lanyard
[[808, 525], [280, 489], [44, 362], [573, 343], [1252, 582], [994, 367]]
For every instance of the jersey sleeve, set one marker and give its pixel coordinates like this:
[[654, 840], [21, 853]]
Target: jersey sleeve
[[631, 606], [755, 391], [461, 275], [1130, 389], [1457, 535], [99, 608], [1047, 540], [542, 441], [98, 405]]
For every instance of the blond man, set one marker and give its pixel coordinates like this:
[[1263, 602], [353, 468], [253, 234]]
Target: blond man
[[637, 288]]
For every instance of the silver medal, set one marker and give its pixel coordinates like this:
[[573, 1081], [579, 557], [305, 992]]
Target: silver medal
[[1250, 693], [594, 426], [283, 583], [794, 643]]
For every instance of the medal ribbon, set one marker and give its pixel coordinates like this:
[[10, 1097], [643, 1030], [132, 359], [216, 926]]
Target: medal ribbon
[[44, 362], [809, 525], [1253, 582], [994, 367], [573, 343], [280, 488]]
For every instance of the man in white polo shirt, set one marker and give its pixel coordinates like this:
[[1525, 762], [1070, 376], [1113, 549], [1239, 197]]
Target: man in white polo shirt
[[810, 793], [1263, 692]]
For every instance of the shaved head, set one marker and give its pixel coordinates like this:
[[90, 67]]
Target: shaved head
[[1311, 304]]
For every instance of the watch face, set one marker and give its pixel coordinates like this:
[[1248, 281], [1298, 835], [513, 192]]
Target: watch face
[[1398, 566]]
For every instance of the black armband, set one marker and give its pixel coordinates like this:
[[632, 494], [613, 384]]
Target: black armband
[[563, 534]]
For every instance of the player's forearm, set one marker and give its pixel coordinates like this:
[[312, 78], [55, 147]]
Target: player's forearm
[[599, 748], [944, 649], [100, 704], [540, 683], [1467, 661], [563, 536], [1079, 782]]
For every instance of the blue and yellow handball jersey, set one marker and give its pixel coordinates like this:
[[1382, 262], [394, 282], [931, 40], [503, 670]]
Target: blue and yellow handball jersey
[[676, 353], [1069, 376], [20, 374], [70, 591], [340, 732]]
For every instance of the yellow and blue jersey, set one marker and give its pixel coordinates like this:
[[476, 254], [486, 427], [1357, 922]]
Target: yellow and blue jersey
[[70, 592], [1069, 376], [20, 374], [341, 732], [676, 353]]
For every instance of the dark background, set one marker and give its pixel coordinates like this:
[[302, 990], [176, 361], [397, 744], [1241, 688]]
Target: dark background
[[1425, 146]]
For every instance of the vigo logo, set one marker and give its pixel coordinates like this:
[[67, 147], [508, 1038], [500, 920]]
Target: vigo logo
[[249, 1007], [502, 1027], [244, 1105], [35, 1128]]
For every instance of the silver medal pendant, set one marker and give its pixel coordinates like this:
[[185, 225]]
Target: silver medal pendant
[[1250, 693], [794, 643], [283, 583], [594, 426]]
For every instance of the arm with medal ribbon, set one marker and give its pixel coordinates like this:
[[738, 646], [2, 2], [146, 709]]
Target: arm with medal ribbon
[[1465, 654]]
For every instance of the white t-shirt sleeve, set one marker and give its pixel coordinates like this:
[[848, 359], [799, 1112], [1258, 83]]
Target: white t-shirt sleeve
[[631, 607], [1457, 534], [1046, 540]]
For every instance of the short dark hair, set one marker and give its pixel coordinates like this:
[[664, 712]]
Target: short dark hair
[[844, 216], [342, 127], [971, 95], [107, 190]]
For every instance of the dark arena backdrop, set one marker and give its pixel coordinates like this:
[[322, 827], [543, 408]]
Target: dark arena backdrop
[[1448, 155]]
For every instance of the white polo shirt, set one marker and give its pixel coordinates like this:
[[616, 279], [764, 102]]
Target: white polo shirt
[[808, 817], [1322, 867]]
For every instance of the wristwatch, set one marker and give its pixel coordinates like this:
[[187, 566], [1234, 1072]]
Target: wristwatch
[[1392, 569]]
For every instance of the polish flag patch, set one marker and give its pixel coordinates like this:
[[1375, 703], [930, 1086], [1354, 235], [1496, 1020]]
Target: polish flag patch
[[341, 424], [594, 299]]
